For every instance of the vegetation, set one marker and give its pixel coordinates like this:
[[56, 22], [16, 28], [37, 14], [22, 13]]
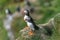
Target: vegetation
[[47, 12]]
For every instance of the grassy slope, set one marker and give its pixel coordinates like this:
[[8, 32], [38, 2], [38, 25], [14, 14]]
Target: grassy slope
[[3, 33], [47, 16]]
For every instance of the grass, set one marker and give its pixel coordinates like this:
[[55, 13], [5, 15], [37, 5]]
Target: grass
[[20, 24], [3, 33]]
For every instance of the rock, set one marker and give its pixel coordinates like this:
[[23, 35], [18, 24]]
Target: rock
[[43, 33], [27, 34], [57, 24]]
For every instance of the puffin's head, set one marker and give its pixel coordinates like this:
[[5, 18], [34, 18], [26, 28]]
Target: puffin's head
[[18, 9], [27, 2], [7, 11], [26, 12]]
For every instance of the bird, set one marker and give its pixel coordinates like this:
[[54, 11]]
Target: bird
[[27, 2], [7, 11], [17, 13], [8, 14], [30, 22], [7, 24], [18, 8], [28, 6]]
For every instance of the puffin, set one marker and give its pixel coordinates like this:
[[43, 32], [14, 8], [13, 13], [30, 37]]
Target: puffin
[[7, 24], [17, 13], [29, 6], [9, 14], [7, 11], [18, 9], [29, 20], [27, 2]]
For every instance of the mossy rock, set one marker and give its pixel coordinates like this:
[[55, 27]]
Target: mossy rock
[[57, 23]]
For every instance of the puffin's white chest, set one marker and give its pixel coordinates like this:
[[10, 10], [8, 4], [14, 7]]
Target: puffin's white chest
[[29, 24], [26, 18]]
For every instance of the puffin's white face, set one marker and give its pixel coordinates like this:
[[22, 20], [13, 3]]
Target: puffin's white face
[[6, 11], [25, 12]]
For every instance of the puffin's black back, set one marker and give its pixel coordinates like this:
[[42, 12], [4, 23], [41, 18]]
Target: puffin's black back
[[32, 21]]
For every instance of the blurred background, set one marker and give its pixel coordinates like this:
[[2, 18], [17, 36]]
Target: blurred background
[[44, 10]]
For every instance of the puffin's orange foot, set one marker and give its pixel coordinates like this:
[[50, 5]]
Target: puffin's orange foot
[[30, 33]]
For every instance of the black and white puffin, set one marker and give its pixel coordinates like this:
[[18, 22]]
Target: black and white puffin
[[7, 24], [7, 11], [29, 6], [9, 14], [17, 13], [27, 2], [18, 9], [30, 22]]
